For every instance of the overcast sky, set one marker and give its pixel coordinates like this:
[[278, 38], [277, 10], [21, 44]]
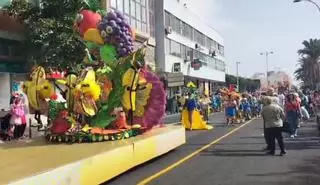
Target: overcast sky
[[250, 27]]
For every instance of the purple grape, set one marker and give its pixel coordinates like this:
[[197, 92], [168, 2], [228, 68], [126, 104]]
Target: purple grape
[[112, 23], [109, 30], [111, 15], [119, 21], [108, 39], [120, 44], [119, 15], [121, 40]]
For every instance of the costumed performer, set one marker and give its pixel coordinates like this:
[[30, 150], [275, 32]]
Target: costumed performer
[[230, 106]]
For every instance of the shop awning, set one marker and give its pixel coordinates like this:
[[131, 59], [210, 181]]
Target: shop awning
[[14, 66]]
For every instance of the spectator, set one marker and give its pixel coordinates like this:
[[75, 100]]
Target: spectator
[[293, 113], [273, 116]]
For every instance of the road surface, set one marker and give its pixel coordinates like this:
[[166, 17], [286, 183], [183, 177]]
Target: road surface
[[235, 160]]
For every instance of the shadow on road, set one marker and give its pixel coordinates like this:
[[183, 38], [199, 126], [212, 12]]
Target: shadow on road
[[306, 173], [233, 153]]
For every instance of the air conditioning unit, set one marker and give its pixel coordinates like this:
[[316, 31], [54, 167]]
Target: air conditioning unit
[[168, 30]]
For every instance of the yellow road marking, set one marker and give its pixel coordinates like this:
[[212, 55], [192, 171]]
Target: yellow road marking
[[176, 164]]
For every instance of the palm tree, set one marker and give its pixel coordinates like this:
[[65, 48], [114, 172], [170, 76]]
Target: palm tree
[[309, 63]]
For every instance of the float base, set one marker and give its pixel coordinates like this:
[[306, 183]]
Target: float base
[[40, 163]]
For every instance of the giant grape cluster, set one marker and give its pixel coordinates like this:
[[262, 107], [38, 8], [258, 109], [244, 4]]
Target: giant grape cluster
[[114, 29]]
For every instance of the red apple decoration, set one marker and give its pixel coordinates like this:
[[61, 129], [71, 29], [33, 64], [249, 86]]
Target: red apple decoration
[[87, 19]]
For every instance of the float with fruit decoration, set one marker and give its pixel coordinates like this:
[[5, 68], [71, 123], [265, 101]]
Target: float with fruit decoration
[[115, 96]]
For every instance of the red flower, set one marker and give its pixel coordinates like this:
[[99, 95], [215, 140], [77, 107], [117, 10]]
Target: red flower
[[54, 97]]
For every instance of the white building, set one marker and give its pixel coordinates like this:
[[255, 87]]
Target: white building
[[275, 78], [183, 42]]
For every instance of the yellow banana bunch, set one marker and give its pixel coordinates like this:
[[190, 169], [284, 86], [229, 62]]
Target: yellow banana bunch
[[87, 93], [70, 83], [130, 82], [38, 88]]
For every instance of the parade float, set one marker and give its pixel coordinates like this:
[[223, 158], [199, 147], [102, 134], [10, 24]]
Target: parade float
[[197, 119], [111, 119]]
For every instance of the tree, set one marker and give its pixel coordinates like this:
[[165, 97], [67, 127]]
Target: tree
[[50, 39], [245, 84], [309, 68]]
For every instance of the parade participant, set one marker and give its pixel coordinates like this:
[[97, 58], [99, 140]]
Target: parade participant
[[246, 109], [191, 105], [18, 118], [204, 104], [230, 106], [218, 100], [293, 113], [273, 116]]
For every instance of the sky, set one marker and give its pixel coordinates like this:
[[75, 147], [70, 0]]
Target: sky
[[250, 27]]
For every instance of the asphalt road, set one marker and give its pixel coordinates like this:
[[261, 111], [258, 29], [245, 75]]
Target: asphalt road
[[235, 160]]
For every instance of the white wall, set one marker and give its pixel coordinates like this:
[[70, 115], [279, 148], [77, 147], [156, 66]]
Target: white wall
[[4, 91], [204, 72], [181, 12]]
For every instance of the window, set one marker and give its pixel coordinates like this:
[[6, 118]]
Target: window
[[127, 7], [138, 11], [175, 48], [175, 24], [152, 19], [167, 46], [120, 5], [113, 4], [167, 19], [135, 11], [133, 8], [187, 31], [221, 50], [183, 51], [4, 49]]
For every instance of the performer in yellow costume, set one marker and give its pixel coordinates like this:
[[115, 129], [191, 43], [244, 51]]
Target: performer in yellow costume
[[191, 117]]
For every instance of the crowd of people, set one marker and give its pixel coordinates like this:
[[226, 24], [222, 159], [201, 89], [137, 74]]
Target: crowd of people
[[284, 112]]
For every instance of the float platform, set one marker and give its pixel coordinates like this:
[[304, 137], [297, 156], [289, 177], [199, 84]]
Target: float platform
[[40, 163]]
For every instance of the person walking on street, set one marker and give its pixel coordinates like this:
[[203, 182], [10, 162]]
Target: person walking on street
[[273, 117], [293, 113], [204, 104]]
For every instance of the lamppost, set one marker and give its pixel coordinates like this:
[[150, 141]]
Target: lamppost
[[238, 75], [316, 4], [267, 53]]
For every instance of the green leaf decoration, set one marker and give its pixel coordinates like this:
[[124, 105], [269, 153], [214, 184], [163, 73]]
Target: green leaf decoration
[[108, 53], [93, 5], [103, 118]]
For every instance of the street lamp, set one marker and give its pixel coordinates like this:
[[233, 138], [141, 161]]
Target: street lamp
[[238, 75], [267, 53], [298, 1]]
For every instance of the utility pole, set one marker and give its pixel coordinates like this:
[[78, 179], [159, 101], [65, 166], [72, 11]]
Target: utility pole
[[267, 53], [238, 75]]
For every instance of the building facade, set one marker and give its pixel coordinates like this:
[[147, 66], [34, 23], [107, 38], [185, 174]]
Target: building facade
[[141, 16], [186, 45], [13, 67], [277, 80]]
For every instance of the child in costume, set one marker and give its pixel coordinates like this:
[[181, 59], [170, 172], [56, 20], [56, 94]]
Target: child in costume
[[230, 106], [18, 118], [246, 108]]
